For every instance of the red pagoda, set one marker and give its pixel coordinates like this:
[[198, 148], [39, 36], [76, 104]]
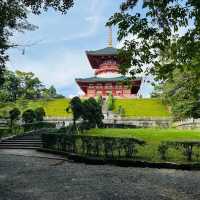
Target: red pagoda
[[107, 79]]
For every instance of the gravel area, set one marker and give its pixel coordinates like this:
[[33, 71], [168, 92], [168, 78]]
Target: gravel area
[[34, 178]]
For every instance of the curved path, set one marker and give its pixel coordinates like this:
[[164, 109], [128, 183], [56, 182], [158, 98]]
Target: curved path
[[29, 177]]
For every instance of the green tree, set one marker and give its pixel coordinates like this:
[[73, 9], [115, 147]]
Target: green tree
[[154, 29], [52, 92], [39, 114], [30, 86], [182, 93], [10, 89], [28, 116], [13, 18], [76, 108], [92, 113], [14, 115]]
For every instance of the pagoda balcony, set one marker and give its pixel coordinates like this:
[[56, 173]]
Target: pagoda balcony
[[107, 68]]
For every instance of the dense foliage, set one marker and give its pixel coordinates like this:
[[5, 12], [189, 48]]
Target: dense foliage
[[182, 93], [92, 113], [39, 126], [160, 29], [28, 116], [14, 115], [13, 18], [88, 110], [76, 108], [39, 114], [24, 85], [163, 36]]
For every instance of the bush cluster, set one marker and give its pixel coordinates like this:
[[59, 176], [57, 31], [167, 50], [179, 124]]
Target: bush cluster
[[110, 102], [37, 125]]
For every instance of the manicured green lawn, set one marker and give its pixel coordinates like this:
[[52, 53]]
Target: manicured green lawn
[[142, 107], [55, 107], [152, 137]]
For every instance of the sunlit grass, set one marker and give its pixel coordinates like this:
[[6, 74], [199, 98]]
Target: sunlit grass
[[54, 107], [142, 107]]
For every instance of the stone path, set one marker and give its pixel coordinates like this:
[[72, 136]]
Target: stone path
[[36, 178]]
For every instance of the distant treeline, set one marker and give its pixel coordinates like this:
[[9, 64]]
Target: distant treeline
[[24, 85]]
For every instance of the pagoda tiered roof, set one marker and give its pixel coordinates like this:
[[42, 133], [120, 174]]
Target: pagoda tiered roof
[[97, 57], [105, 51], [96, 79]]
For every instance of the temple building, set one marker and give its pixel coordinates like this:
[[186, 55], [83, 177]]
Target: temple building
[[107, 79]]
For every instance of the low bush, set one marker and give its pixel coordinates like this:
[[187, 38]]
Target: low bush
[[93, 146], [5, 131], [37, 125]]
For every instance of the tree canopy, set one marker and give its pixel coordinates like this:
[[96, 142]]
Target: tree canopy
[[163, 36], [14, 18], [89, 110], [163, 39], [24, 85]]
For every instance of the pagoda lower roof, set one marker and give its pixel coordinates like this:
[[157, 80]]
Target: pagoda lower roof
[[100, 79], [106, 51]]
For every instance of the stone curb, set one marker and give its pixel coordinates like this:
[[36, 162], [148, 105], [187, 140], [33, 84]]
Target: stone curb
[[124, 163]]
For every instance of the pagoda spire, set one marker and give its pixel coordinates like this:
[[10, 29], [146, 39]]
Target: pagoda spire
[[110, 37]]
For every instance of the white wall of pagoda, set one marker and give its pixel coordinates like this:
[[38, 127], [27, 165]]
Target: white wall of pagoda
[[108, 75], [108, 69]]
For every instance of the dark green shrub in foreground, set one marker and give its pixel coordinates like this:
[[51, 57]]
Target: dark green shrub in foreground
[[38, 125], [39, 114], [14, 115], [28, 116]]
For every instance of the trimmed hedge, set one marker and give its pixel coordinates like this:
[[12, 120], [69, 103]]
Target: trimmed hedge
[[92, 146], [187, 148]]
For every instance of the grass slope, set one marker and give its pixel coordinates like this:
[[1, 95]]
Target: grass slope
[[152, 137], [142, 107], [55, 107]]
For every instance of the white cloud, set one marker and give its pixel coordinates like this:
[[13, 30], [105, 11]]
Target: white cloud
[[59, 69]]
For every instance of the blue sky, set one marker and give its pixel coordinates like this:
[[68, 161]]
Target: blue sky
[[58, 54]]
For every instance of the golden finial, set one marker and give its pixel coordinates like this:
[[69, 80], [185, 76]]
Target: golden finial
[[110, 37]]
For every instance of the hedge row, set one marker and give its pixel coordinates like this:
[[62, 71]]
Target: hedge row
[[92, 146], [187, 148]]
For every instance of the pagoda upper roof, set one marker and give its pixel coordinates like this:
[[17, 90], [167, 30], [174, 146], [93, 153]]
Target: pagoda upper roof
[[97, 57], [100, 79], [103, 52]]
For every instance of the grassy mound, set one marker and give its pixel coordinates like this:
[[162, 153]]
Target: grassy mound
[[54, 107], [142, 107], [57, 107]]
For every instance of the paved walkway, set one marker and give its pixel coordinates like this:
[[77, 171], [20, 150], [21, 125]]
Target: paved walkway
[[36, 178], [31, 153]]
